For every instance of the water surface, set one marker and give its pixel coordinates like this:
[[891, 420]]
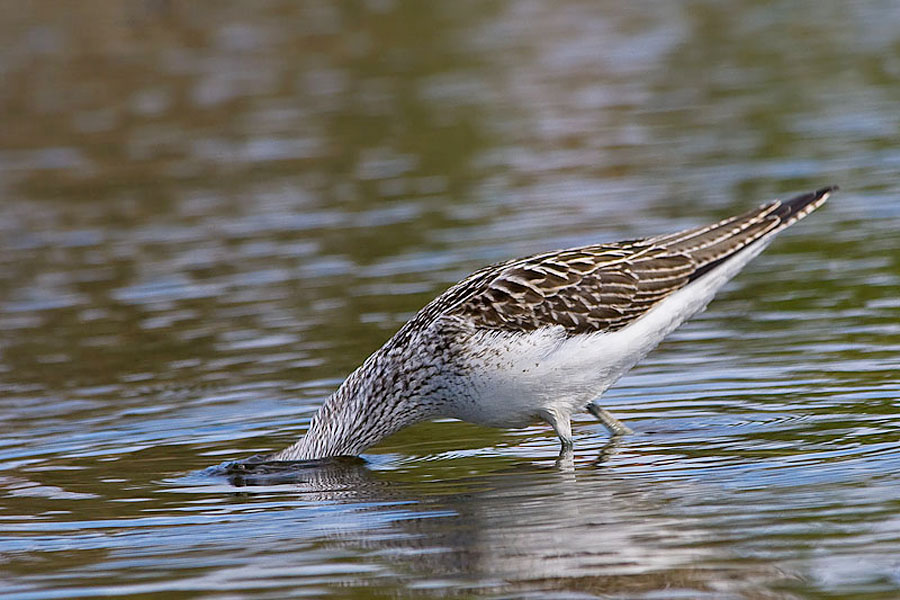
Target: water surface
[[210, 216]]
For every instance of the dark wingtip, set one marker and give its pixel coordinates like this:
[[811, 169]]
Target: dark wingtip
[[800, 206], [788, 212]]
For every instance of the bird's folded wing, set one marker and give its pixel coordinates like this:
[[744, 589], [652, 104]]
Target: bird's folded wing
[[607, 286]]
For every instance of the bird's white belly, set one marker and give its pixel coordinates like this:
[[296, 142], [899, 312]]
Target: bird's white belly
[[515, 376]]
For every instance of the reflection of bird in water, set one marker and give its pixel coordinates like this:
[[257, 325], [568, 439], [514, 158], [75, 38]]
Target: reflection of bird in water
[[522, 527], [540, 338], [316, 475]]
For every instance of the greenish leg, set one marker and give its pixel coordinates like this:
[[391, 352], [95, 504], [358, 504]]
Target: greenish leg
[[562, 426], [615, 426]]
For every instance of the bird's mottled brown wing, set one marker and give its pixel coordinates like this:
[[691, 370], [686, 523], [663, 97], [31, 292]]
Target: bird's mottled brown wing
[[595, 288], [605, 287]]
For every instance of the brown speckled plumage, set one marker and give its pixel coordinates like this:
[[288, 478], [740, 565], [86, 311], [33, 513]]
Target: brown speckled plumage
[[436, 364], [606, 286]]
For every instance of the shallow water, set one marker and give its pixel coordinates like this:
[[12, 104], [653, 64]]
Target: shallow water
[[210, 216]]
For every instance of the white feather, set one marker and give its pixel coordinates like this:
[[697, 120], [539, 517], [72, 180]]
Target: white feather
[[519, 377]]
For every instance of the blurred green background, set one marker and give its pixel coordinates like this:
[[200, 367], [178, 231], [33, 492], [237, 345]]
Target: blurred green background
[[210, 213]]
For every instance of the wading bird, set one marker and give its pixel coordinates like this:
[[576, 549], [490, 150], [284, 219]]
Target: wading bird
[[541, 337]]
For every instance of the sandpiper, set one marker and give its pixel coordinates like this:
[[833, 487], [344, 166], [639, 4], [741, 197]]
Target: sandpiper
[[541, 337]]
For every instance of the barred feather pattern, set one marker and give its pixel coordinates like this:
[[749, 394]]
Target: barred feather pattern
[[440, 362], [605, 287]]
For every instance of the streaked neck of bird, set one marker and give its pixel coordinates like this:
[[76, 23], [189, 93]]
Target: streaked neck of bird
[[370, 405]]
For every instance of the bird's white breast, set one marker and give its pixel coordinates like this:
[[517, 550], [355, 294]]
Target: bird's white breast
[[514, 376]]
